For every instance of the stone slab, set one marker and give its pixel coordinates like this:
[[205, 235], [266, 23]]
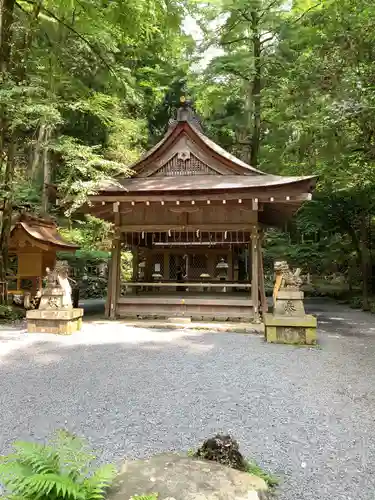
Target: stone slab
[[212, 327], [180, 320], [55, 314], [307, 321], [180, 477], [290, 329], [58, 322]]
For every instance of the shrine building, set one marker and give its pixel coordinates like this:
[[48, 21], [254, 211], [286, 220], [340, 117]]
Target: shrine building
[[193, 216]]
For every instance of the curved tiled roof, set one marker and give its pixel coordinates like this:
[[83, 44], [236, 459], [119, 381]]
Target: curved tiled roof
[[200, 183], [197, 131], [43, 231], [46, 234]]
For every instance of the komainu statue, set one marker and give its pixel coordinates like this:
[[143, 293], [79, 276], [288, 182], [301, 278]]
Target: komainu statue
[[57, 289], [55, 313], [288, 279], [288, 323]]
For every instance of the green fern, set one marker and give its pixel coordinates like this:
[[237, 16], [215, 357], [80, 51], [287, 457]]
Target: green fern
[[60, 470]]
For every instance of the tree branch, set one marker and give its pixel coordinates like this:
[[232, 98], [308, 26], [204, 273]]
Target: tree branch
[[233, 25], [267, 9], [81, 37], [306, 12], [268, 39], [245, 16], [239, 74], [242, 39]]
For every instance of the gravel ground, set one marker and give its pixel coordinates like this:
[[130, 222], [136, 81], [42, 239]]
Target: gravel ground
[[305, 414]]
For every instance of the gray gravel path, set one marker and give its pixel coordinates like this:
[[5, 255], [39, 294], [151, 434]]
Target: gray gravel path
[[304, 414]]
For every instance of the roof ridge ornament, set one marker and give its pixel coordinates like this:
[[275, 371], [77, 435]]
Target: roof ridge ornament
[[186, 113]]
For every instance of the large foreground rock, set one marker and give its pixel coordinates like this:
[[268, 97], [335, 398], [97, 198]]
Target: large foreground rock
[[176, 477]]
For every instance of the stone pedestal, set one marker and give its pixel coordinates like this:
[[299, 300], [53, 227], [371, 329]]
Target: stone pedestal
[[58, 321], [56, 313], [288, 324], [289, 303]]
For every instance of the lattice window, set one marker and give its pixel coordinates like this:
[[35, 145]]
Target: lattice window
[[175, 262], [194, 265], [190, 166], [198, 264]]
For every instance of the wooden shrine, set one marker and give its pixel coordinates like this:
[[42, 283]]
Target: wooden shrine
[[34, 242], [192, 215]]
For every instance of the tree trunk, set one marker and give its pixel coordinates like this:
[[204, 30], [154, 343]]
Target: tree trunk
[[245, 132], [33, 168], [46, 171], [6, 21], [365, 262], [6, 223], [256, 89]]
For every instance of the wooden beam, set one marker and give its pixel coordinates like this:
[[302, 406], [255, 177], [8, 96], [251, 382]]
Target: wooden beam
[[166, 264], [152, 228], [115, 268], [230, 264], [255, 272], [262, 288], [262, 196], [191, 284], [107, 309], [135, 263]]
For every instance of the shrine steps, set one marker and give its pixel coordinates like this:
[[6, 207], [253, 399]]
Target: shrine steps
[[198, 308]]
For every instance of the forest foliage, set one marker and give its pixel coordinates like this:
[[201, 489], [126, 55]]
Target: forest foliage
[[87, 85]]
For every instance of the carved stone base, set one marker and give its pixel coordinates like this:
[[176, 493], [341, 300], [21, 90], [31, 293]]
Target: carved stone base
[[58, 321], [290, 329], [289, 303]]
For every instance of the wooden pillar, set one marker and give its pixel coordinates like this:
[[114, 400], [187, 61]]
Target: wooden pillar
[[166, 264], [262, 288], [135, 263], [109, 288], [148, 266], [255, 272], [115, 276], [211, 264], [230, 265]]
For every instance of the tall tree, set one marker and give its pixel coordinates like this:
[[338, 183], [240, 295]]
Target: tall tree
[[77, 81]]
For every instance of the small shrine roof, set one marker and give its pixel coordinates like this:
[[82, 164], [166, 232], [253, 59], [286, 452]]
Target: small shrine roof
[[43, 231]]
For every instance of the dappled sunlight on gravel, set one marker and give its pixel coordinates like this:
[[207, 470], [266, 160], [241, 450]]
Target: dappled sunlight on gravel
[[305, 414]]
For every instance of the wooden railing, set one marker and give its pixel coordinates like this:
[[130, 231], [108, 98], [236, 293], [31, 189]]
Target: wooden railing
[[187, 284]]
